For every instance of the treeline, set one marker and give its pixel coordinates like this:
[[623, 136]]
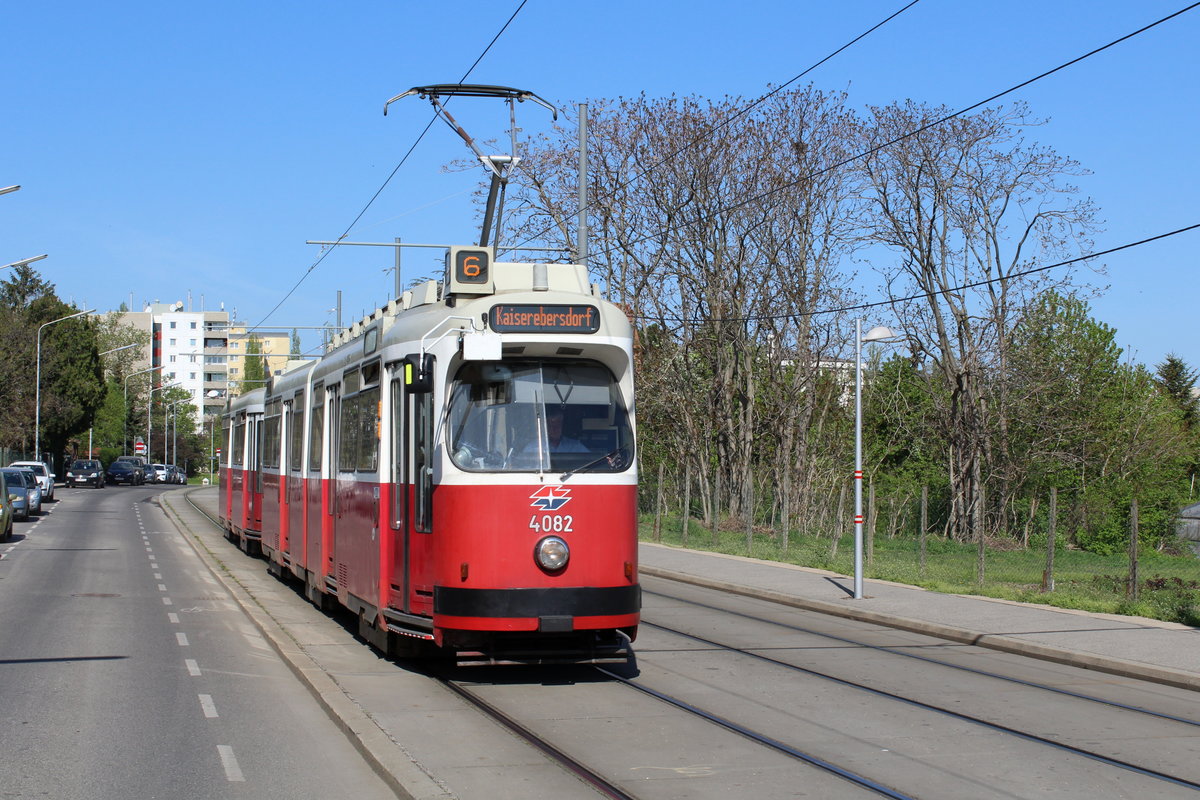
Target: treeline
[[741, 238], [89, 381]]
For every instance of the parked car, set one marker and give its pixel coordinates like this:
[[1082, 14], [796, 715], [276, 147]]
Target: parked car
[[18, 492], [6, 511], [138, 463], [45, 477], [175, 475], [35, 490], [157, 473], [124, 472], [86, 472]]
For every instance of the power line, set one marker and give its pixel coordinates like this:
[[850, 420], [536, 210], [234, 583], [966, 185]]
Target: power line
[[893, 301], [922, 129], [728, 120], [379, 191]]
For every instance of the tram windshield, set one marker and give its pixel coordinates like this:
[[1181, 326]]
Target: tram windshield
[[538, 416]]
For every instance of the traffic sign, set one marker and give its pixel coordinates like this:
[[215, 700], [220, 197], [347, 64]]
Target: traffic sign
[[139, 448]]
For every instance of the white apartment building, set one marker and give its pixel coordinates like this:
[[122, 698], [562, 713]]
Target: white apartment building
[[192, 349]]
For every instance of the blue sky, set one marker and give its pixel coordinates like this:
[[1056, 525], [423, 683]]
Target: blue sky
[[165, 148]]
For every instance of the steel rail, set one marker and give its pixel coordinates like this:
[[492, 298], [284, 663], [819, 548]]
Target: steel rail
[[930, 660], [995, 726], [762, 739], [576, 768]]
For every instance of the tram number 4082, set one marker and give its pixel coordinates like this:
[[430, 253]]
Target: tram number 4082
[[552, 523]]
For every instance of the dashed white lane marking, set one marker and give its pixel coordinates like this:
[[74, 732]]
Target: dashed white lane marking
[[149, 549], [173, 617], [192, 667], [182, 639], [158, 576], [167, 601], [233, 772], [208, 706]]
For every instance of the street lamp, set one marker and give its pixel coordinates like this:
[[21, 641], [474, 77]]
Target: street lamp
[[125, 443], [37, 412], [24, 261], [149, 420], [876, 334], [173, 454]]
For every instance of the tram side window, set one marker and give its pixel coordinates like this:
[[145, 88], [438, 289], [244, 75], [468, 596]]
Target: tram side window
[[296, 441], [368, 430], [348, 434], [316, 434], [239, 444], [271, 437], [423, 461]]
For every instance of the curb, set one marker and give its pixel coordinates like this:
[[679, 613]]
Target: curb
[[1106, 664], [385, 756]]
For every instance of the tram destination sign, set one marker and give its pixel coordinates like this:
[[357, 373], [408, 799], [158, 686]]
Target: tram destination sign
[[506, 318]]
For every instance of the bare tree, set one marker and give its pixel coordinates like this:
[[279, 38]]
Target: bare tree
[[959, 203]]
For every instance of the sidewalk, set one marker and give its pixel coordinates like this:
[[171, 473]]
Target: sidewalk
[[1135, 647]]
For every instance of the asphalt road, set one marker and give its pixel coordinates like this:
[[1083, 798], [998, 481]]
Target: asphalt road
[[126, 671]]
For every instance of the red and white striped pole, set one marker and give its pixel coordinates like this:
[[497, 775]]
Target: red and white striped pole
[[858, 471]]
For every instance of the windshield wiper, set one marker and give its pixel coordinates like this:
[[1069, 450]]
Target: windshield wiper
[[592, 463]]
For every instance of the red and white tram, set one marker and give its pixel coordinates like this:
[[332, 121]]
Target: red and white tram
[[458, 469]]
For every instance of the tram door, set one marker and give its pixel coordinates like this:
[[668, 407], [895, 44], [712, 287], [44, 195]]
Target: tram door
[[332, 468], [294, 481], [412, 431], [315, 516]]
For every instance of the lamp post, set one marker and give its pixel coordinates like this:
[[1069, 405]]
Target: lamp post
[[149, 420], [125, 443], [876, 334], [173, 454], [37, 412]]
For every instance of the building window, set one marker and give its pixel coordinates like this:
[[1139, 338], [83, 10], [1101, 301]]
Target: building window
[[172, 324], [193, 326], [172, 359], [171, 342], [191, 376]]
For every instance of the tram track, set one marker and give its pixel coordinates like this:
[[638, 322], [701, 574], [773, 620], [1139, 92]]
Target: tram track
[[1195, 723], [608, 788], [971, 719]]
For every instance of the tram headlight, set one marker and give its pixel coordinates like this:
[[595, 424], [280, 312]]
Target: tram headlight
[[552, 553]]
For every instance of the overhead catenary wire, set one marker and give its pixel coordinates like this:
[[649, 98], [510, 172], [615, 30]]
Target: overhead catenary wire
[[871, 151], [327, 250], [894, 300]]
